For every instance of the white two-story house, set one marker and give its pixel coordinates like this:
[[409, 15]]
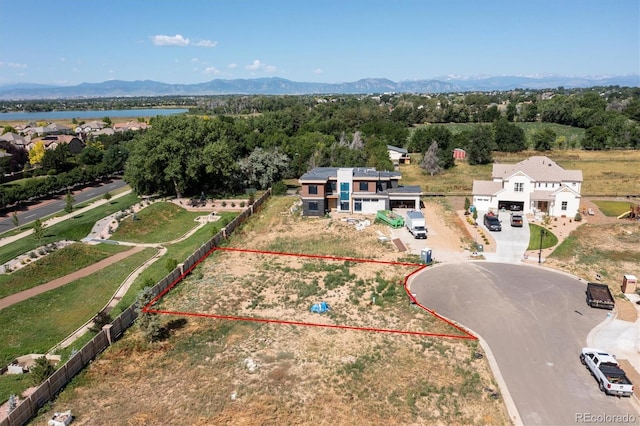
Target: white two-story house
[[535, 185]]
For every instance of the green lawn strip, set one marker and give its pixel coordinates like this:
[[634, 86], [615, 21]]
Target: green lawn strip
[[158, 223], [55, 265], [613, 208], [74, 229], [178, 251], [37, 324], [548, 239], [13, 384]]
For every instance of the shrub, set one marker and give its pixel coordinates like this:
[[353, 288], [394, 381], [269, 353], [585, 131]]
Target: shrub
[[578, 217], [100, 320], [279, 188], [224, 204], [41, 371], [242, 204], [171, 264]]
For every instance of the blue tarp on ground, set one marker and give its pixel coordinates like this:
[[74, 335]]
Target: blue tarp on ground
[[320, 308]]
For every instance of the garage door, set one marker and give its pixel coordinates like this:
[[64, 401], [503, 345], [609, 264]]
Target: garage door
[[511, 205]]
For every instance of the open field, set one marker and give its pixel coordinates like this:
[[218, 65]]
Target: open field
[[251, 373], [573, 135], [605, 173]]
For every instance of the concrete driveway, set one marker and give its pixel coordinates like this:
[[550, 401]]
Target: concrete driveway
[[511, 243], [535, 321]]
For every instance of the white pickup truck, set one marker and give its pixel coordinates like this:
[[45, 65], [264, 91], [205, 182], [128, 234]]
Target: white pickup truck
[[605, 368]]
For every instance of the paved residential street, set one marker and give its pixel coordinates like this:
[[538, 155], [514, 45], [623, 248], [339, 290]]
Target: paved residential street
[[535, 321], [49, 207]]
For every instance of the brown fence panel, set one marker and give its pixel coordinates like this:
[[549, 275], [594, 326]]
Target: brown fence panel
[[20, 415], [74, 366], [57, 380], [40, 396]]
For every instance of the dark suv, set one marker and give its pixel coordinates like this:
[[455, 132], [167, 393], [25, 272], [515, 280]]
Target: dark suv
[[492, 223]]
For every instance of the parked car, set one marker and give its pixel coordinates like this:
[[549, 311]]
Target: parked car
[[516, 220], [492, 222], [605, 368]]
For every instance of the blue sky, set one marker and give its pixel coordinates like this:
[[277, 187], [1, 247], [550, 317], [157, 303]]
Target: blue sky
[[69, 42]]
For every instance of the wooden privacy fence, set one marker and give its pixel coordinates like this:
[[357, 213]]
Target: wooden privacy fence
[[29, 407]]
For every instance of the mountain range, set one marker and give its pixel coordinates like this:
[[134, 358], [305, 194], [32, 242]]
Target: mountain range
[[280, 86]]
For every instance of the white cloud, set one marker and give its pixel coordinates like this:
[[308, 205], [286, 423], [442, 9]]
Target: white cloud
[[232, 66], [12, 65], [318, 71], [256, 66], [165, 40], [212, 71], [194, 59], [206, 43]]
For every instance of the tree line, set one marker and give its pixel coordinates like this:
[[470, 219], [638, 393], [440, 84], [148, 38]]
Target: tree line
[[230, 143]]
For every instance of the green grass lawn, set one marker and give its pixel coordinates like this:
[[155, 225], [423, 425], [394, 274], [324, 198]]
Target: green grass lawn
[[158, 223], [39, 323], [55, 265], [548, 239], [613, 208], [73, 229]]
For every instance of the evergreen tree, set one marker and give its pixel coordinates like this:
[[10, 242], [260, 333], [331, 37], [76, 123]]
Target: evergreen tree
[[430, 160]]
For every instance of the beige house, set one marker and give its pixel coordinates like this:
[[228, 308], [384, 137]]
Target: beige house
[[535, 185]]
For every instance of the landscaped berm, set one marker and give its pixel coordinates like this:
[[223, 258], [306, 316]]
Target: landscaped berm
[[224, 371]]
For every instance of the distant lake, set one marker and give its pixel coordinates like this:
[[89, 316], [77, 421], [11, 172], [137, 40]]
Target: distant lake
[[83, 115]]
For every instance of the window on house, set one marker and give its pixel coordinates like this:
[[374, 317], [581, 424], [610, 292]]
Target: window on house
[[344, 191], [364, 186], [546, 185], [333, 186], [344, 206], [564, 205], [519, 187], [313, 206], [357, 205], [313, 189]]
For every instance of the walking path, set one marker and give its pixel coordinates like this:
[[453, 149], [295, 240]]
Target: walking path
[[59, 282]]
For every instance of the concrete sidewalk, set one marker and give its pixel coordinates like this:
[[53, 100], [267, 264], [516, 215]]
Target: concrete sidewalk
[[620, 338]]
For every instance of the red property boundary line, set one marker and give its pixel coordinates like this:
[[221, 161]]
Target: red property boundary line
[[419, 267]]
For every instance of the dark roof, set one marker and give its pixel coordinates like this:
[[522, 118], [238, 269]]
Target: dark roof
[[397, 149], [324, 173], [409, 189]]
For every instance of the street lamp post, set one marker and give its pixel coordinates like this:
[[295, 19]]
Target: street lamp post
[[542, 232]]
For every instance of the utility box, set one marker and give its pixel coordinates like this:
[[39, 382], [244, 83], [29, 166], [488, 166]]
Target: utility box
[[629, 284], [425, 256]]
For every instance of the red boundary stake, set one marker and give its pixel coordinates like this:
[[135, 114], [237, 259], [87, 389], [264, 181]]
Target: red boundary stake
[[467, 335]]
